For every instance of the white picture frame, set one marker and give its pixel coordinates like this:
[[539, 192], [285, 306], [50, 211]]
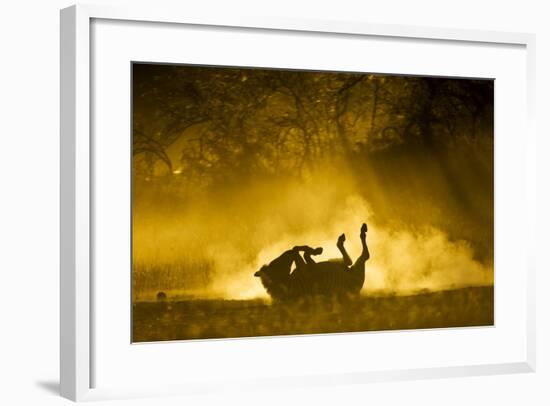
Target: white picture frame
[[77, 355]]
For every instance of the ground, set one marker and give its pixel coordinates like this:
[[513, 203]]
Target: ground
[[200, 319]]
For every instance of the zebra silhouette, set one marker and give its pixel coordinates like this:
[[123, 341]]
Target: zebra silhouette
[[310, 278]]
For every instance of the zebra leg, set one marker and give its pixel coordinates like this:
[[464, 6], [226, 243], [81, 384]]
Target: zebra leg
[[358, 268], [365, 255], [312, 251], [297, 258], [342, 249], [308, 252], [285, 261]]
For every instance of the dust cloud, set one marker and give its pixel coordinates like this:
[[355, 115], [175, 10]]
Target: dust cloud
[[209, 246]]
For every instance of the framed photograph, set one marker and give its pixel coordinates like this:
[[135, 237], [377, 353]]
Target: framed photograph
[[257, 203]]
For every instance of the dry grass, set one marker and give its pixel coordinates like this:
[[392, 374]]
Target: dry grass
[[185, 275], [201, 319]]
